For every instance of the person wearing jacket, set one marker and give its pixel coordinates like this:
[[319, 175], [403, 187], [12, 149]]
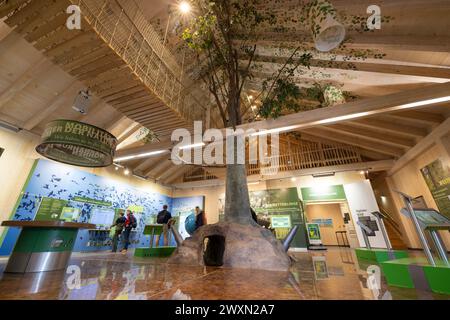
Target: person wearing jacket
[[119, 224], [163, 218], [200, 218], [130, 224]]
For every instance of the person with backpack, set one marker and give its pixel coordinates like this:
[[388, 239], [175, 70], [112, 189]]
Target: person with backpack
[[130, 224], [119, 224], [163, 218]]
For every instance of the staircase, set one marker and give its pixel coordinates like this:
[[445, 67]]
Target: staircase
[[393, 230]]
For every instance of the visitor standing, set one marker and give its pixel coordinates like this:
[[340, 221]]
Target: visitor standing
[[163, 218], [130, 224], [118, 224], [200, 218]]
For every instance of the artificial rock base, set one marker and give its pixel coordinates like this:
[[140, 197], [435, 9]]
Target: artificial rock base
[[249, 247]]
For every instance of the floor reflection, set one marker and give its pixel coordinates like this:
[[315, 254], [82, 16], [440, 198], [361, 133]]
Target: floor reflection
[[331, 274]]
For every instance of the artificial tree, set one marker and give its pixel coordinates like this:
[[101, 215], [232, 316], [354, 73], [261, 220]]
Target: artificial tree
[[222, 35]]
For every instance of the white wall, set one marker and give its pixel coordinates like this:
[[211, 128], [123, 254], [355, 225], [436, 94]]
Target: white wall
[[361, 201]]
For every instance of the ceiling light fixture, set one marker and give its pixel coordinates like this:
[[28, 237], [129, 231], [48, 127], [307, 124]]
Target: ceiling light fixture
[[126, 172], [325, 174], [9, 126], [192, 146], [142, 155], [185, 7]]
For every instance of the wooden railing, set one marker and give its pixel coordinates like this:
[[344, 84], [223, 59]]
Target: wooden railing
[[198, 174], [304, 155], [307, 156], [124, 28]]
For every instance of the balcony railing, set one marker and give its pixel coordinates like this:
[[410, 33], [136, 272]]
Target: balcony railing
[[124, 28], [307, 155]]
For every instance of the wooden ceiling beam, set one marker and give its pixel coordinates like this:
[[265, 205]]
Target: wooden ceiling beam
[[355, 141], [381, 67], [57, 102], [128, 133], [356, 110], [10, 6], [159, 168], [182, 170], [146, 164], [369, 154], [167, 173], [37, 69], [393, 127], [420, 117], [442, 130], [374, 135], [117, 120]]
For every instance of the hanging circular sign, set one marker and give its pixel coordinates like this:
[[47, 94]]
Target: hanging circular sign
[[77, 143]]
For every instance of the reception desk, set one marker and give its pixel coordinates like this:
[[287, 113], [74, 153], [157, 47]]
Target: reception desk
[[43, 245]]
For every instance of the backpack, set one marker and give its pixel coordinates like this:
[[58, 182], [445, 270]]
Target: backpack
[[134, 222]]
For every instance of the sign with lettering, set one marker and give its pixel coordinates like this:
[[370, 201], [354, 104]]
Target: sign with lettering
[[437, 177], [280, 221], [323, 193], [77, 143]]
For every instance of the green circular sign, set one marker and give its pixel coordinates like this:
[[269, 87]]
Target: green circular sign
[[77, 143]]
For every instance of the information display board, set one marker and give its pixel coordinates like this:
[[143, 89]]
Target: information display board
[[70, 214], [437, 177], [313, 231], [369, 223], [280, 222], [50, 209], [102, 217], [430, 217]]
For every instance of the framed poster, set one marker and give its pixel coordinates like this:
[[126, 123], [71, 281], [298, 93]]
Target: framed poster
[[313, 231], [437, 178]]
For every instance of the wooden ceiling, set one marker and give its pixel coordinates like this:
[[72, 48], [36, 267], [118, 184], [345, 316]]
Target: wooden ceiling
[[43, 66]]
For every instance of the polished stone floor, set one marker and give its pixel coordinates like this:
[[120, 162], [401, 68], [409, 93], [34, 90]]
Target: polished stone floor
[[334, 274]]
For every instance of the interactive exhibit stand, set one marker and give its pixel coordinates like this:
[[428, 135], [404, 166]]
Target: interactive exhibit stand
[[43, 245], [156, 251], [426, 274], [376, 255]]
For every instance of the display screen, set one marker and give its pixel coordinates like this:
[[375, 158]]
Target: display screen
[[102, 216], [70, 214], [430, 216]]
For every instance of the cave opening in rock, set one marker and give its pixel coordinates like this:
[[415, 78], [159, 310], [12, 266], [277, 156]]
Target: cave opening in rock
[[213, 250]]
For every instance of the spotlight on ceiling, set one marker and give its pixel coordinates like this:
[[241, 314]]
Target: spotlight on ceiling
[[185, 7], [82, 102]]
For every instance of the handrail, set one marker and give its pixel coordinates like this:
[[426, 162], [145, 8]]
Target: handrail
[[389, 219]]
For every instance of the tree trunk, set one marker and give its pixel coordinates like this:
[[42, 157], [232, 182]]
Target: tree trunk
[[237, 202]]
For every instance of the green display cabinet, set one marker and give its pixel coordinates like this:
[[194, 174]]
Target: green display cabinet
[[379, 255], [418, 273], [43, 245], [154, 230]]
